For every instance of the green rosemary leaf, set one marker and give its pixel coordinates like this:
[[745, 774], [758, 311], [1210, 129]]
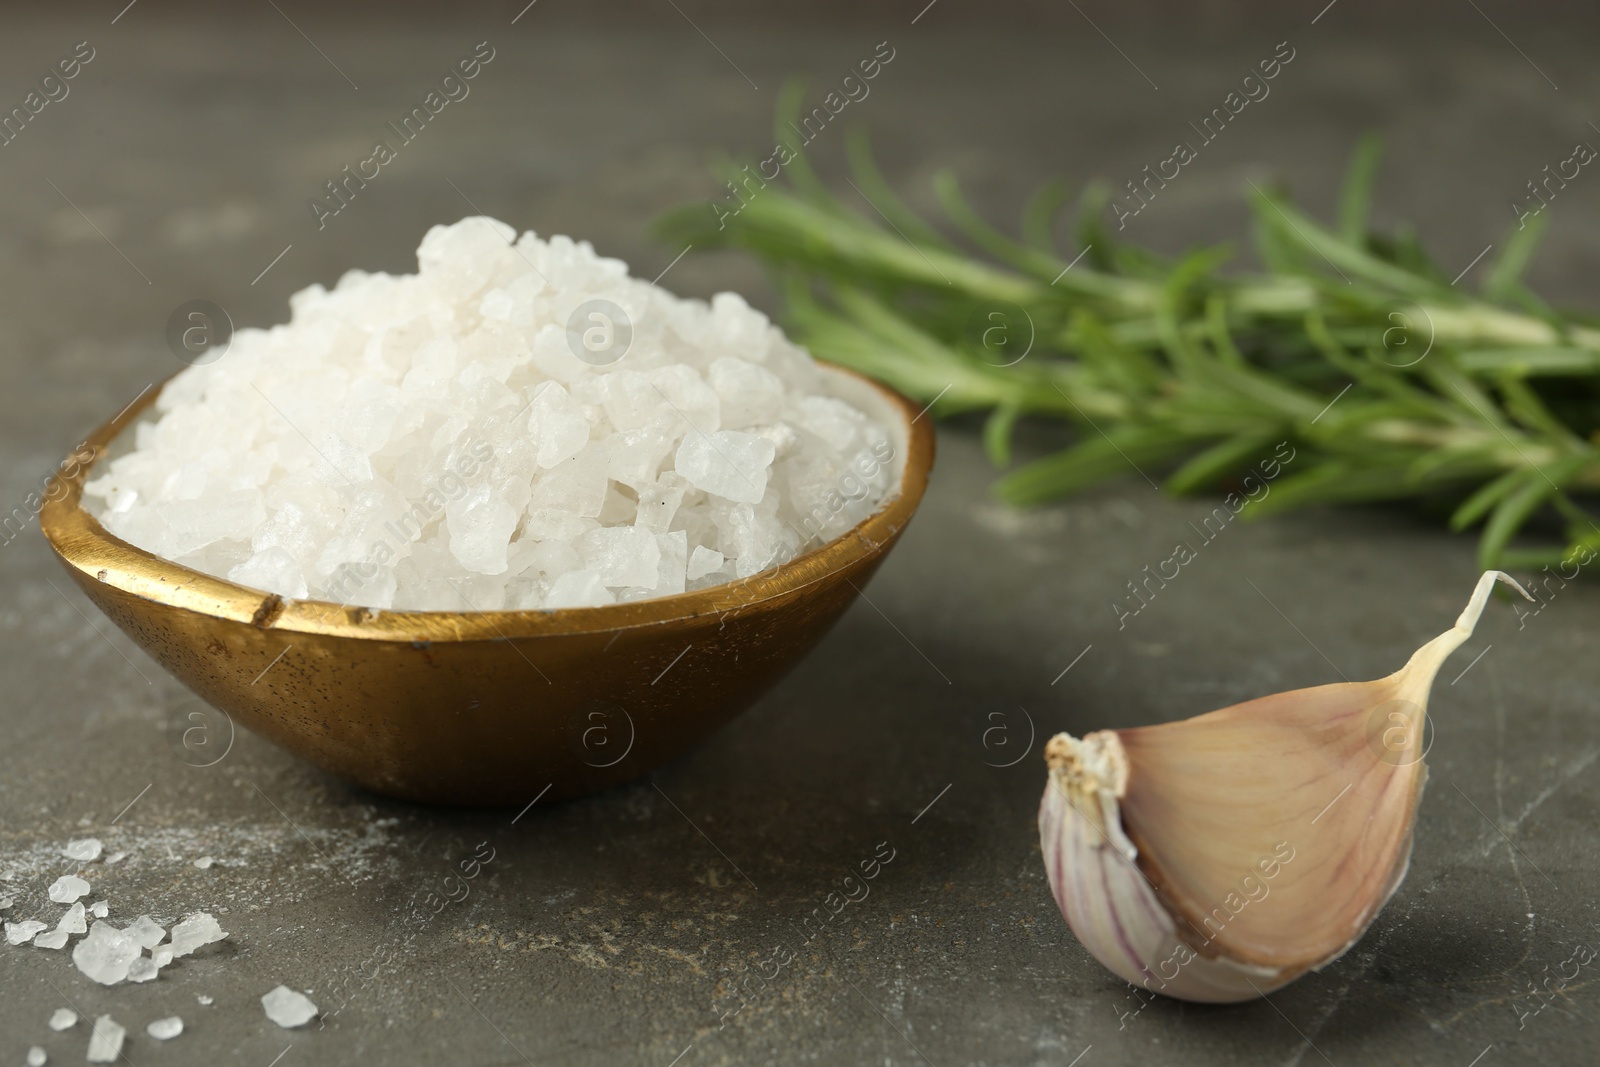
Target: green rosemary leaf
[[1487, 496], [1097, 458], [1039, 217], [1336, 482], [1532, 360], [997, 433], [1001, 247], [871, 184], [1220, 460], [1356, 198], [1505, 270], [1515, 508]]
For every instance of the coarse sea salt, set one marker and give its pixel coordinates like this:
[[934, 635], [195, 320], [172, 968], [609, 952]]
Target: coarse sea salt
[[63, 1019], [520, 424], [105, 1041], [53, 939], [197, 930], [165, 1029], [86, 851], [145, 931], [68, 888], [288, 1008], [105, 954], [74, 921]]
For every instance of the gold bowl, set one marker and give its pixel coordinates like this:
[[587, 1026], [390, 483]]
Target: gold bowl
[[490, 707]]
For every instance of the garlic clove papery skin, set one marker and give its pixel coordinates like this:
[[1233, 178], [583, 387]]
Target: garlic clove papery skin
[[1220, 857], [1106, 899]]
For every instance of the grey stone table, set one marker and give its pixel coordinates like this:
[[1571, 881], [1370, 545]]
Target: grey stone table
[[613, 930]]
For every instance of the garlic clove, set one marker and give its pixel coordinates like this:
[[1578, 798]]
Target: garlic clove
[[1220, 857]]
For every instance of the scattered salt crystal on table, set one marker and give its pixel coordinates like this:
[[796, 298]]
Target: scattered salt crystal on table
[[84, 851], [23, 932], [165, 1029], [100, 909], [145, 932], [161, 956], [6, 902], [116, 857], [204, 1000], [105, 1042], [197, 930], [455, 439], [143, 969], [74, 921], [288, 1008], [204, 862], [68, 888], [63, 1019], [37, 1057], [106, 954], [53, 939]]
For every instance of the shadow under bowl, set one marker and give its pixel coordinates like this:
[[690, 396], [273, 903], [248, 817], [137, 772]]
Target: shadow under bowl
[[490, 707]]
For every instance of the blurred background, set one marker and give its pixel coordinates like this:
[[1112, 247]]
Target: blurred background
[[181, 163]]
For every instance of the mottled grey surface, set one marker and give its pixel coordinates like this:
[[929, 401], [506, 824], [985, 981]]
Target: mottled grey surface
[[611, 930]]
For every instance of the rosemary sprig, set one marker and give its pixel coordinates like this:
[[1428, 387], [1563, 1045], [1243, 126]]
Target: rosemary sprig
[[1392, 381]]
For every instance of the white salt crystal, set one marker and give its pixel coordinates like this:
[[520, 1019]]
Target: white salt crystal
[[116, 857], [288, 1008], [576, 486], [105, 1042], [165, 1029], [6, 902], [204, 1000], [659, 503], [274, 570], [23, 932], [145, 932], [53, 939], [757, 539], [37, 1057], [204, 862], [578, 589], [68, 888], [702, 561], [105, 954], [480, 530], [143, 969], [785, 441], [694, 405], [85, 851], [557, 423], [634, 456], [73, 922], [100, 909], [670, 572], [197, 930], [496, 304], [729, 463], [161, 956], [63, 1019], [751, 395], [621, 555]]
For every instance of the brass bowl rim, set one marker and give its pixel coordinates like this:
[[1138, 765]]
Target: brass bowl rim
[[97, 555]]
